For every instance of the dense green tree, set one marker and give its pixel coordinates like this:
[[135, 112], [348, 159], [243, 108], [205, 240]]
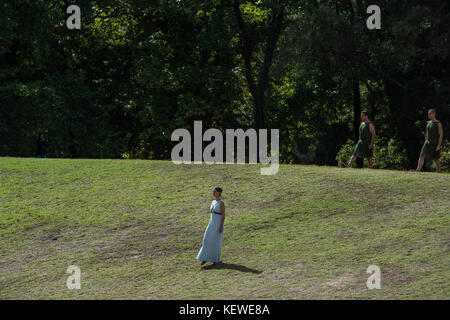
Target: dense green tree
[[138, 69]]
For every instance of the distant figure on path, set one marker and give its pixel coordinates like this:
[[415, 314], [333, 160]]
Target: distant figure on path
[[364, 148], [41, 148], [212, 240], [433, 139]]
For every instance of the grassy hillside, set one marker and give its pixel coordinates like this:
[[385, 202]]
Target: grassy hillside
[[134, 228]]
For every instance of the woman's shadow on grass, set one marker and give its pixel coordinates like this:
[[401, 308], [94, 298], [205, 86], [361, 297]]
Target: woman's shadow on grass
[[232, 266]]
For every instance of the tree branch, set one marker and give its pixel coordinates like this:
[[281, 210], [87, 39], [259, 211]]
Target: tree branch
[[272, 39], [248, 46]]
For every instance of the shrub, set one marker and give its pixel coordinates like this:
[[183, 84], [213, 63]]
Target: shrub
[[345, 152], [386, 154], [389, 155], [445, 157]]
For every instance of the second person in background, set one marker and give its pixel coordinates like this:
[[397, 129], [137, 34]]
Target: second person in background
[[364, 148]]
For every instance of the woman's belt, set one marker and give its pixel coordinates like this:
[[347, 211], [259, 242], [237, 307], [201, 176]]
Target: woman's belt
[[216, 212]]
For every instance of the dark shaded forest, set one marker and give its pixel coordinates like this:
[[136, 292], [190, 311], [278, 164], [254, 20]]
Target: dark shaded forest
[[137, 70]]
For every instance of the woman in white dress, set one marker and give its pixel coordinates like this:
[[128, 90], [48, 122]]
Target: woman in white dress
[[213, 237]]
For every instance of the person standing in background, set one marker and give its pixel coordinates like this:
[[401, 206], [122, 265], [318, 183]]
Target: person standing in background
[[41, 146]]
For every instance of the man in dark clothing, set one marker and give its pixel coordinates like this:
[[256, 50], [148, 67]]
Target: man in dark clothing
[[364, 148], [433, 140]]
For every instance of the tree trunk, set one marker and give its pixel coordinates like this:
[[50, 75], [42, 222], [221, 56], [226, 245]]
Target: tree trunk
[[403, 108], [357, 117], [356, 109], [258, 88]]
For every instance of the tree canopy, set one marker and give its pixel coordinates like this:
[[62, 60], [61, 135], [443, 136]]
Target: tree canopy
[[137, 70]]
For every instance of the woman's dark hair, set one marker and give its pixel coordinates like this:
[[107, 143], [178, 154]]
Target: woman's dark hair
[[218, 189], [366, 113], [433, 110]]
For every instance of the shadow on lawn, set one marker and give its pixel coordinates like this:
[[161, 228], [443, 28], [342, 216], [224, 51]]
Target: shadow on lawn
[[232, 266]]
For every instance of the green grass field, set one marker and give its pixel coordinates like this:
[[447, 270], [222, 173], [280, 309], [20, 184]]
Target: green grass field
[[134, 228]]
